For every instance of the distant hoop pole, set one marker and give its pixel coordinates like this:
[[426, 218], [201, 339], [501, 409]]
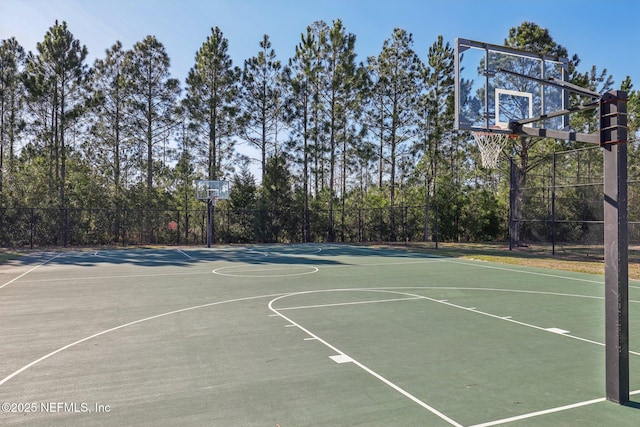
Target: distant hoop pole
[[209, 225], [213, 194], [613, 139]]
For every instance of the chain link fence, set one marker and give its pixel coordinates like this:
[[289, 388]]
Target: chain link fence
[[44, 227], [563, 202]]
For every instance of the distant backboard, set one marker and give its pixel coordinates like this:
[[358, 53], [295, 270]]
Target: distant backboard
[[205, 189], [491, 91]]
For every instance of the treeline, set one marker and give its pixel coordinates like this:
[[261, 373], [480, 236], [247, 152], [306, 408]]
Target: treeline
[[334, 134]]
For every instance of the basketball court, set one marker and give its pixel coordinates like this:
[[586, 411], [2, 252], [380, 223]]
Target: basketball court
[[290, 335], [310, 334]]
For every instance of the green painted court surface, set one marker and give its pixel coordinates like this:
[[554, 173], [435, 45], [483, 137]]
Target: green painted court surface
[[302, 335]]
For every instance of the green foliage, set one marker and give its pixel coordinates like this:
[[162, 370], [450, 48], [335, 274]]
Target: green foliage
[[243, 201], [276, 202], [348, 151], [484, 218]]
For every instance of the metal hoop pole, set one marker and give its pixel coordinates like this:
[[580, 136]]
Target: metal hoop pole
[[613, 138]]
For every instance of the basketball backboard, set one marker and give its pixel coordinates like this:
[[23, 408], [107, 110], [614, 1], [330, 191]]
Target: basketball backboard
[[496, 85], [205, 189]]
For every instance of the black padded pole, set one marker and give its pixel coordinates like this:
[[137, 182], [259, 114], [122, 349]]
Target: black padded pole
[[613, 137]]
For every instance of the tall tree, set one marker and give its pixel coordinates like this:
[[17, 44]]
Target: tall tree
[[436, 117], [348, 85], [56, 77], [376, 116], [300, 74], [12, 96], [153, 101], [318, 148], [111, 142], [212, 91], [262, 101], [338, 96], [400, 85], [596, 81], [532, 38]]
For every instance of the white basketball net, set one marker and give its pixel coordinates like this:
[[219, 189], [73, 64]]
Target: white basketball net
[[490, 144]]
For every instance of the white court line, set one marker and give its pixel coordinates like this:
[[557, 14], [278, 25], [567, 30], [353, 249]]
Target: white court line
[[469, 309], [277, 250], [444, 302], [508, 318], [127, 276], [337, 304], [538, 413], [546, 411], [513, 270], [313, 337], [475, 264], [29, 271], [343, 355], [310, 270], [432, 259], [169, 313], [184, 253]]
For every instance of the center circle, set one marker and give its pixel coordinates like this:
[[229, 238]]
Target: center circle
[[265, 270]]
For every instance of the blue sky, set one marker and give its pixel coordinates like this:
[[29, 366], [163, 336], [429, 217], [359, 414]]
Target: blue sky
[[602, 33]]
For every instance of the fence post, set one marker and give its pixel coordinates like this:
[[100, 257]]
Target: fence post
[[512, 184], [437, 237], [124, 227], [178, 228], [65, 226], [32, 226], [553, 206], [186, 225]]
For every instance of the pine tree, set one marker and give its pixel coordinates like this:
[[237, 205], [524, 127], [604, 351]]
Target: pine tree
[[212, 91], [399, 86], [532, 38], [56, 78], [300, 74], [338, 98], [12, 98], [111, 143], [263, 101], [436, 116], [153, 102]]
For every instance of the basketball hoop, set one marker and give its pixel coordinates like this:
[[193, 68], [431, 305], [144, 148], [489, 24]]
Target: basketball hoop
[[213, 196], [490, 145]]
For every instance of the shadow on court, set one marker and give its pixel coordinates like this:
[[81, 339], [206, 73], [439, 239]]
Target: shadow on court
[[294, 254], [632, 404]]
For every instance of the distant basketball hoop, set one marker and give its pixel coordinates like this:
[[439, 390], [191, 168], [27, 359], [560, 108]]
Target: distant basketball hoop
[[211, 192], [214, 195]]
